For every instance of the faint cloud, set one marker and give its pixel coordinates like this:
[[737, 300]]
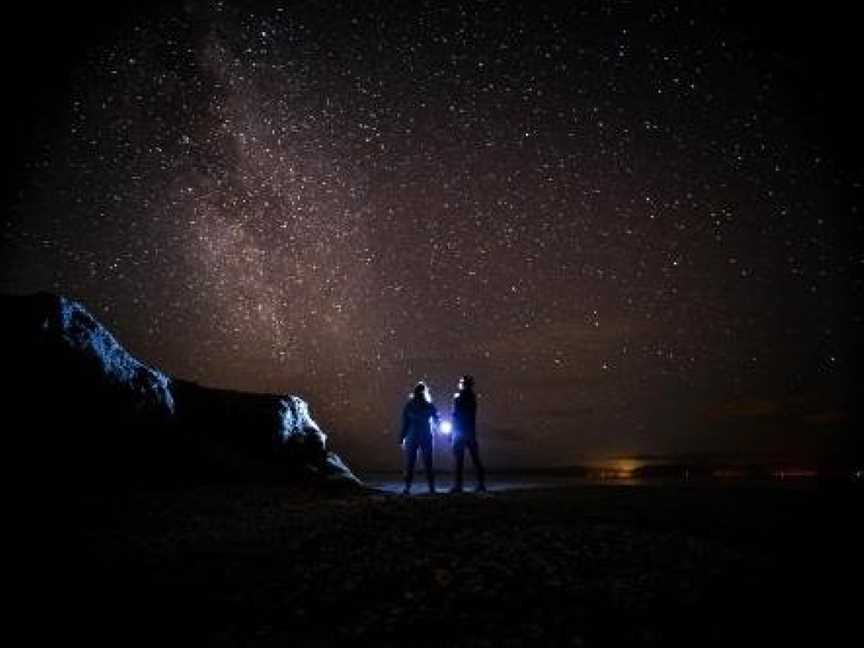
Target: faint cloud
[[828, 417], [745, 408]]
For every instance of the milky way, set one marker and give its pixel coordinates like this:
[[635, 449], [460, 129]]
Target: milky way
[[618, 219]]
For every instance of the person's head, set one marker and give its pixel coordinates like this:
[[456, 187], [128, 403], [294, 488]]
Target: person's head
[[421, 392], [466, 382]]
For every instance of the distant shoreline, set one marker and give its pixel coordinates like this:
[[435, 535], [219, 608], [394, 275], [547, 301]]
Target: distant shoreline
[[661, 471]]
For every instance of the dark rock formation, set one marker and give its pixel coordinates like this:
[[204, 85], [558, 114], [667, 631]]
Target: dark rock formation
[[81, 409], [254, 435]]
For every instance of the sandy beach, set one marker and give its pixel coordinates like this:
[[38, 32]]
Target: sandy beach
[[581, 565]]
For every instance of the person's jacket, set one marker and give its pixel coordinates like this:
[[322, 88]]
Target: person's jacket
[[464, 415], [417, 418]]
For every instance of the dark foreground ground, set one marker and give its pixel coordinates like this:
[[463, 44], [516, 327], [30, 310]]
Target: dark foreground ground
[[584, 565]]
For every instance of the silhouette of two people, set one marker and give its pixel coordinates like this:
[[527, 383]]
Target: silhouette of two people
[[418, 420]]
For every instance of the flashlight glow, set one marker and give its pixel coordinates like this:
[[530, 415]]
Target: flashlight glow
[[446, 427]]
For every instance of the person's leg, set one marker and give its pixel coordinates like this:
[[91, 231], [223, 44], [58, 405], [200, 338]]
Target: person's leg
[[426, 449], [410, 460], [478, 466], [459, 465]]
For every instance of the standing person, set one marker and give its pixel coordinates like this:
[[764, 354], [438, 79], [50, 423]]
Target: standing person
[[417, 418], [465, 433]]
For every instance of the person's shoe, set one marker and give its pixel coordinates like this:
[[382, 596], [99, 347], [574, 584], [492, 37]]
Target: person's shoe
[[406, 490], [455, 489], [480, 488]]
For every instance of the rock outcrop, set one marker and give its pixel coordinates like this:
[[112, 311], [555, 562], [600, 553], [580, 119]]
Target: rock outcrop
[[81, 408], [254, 435]]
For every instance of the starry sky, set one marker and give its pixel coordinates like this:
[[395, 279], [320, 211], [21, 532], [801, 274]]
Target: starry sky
[[636, 226]]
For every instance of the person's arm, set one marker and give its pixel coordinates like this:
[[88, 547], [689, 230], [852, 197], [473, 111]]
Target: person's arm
[[456, 412], [405, 423]]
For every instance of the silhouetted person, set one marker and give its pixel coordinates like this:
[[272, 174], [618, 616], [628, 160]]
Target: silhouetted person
[[416, 434], [465, 433]]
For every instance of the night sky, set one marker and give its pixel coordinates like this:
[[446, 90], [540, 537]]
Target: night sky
[[636, 226]]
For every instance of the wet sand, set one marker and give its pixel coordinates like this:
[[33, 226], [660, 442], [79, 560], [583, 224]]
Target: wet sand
[[582, 565], [394, 482]]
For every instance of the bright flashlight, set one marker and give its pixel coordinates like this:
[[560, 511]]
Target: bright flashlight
[[446, 427]]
